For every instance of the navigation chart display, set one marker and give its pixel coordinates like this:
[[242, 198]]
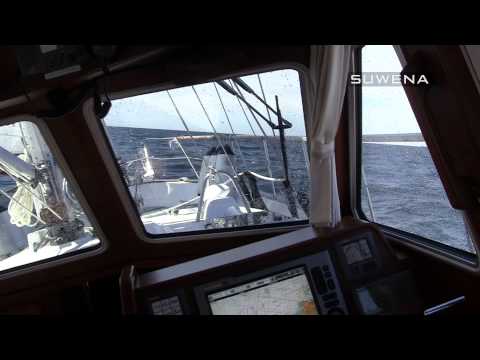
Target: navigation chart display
[[286, 293]]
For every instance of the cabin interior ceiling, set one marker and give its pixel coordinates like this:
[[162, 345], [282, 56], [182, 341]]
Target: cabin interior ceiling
[[91, 284]]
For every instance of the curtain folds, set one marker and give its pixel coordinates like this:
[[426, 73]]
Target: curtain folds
[[326, 86]]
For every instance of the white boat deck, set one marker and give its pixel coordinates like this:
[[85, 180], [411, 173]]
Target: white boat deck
[[183, 220], [28, 256]]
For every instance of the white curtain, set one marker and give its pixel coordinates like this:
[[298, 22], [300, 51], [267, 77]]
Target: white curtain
[[326, 86]]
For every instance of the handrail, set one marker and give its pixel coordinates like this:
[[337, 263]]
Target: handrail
[[158, 158], [207, 136], [165, 211], [438, 308], [262, 177]]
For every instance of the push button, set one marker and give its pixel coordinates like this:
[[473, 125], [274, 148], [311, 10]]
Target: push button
[[331, 284], [332, 303], [328, 297], [319, 280]]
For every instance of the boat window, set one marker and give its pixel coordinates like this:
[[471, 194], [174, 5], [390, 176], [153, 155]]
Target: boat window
[[400, 185], [223, 154], [40, 216]]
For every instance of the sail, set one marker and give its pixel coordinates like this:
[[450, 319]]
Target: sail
[[11, 138]]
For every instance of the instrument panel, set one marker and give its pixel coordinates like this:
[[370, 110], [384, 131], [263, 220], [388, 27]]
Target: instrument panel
[[305, 286], [299, 273]]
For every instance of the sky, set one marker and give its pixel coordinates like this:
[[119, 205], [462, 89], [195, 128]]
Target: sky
[[157, 111], [385, 109]]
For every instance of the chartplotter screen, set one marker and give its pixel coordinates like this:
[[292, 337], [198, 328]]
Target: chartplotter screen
[[285, 293]]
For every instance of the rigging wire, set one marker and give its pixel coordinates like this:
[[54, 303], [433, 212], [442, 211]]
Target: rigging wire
[[24, 143], [250, 109], [19, 215], [265, 100], [224, 110], [264, 139], [215, 131], [21, 194], [230, 124], [243, 110], [215, 171], [178, 113], [188, 131]]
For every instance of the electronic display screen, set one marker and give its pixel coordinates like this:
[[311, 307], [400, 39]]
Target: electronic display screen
[[168, 306], [392, 295], [357, 251], [286, 293]]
